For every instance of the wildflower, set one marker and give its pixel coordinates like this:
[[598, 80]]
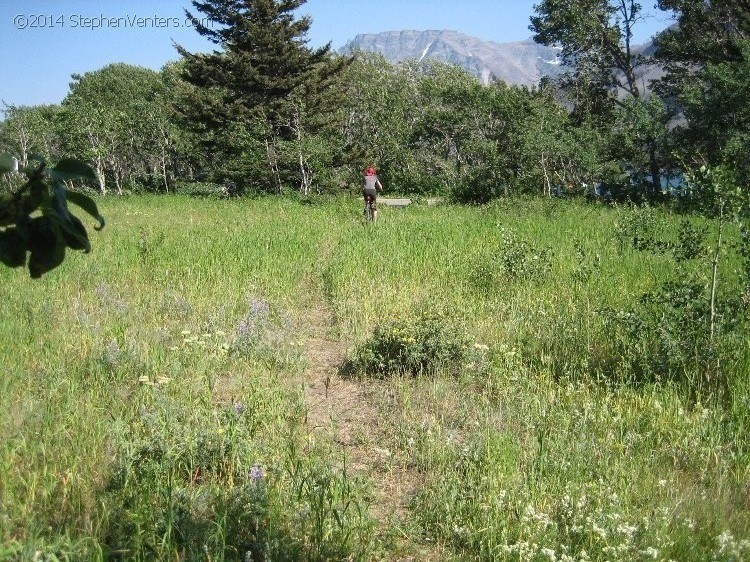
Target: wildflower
[[726, 541], [627, 530], [650, 552], [601, 532], [549, 553], [258, 306], [240, 408], [256, 474]]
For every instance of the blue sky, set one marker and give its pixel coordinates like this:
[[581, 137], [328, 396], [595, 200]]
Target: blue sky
[[45, 41]]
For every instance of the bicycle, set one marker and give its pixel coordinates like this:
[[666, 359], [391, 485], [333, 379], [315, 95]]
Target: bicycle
[[369, 212]]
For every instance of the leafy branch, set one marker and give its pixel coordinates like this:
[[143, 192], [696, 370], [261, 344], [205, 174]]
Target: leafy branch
[[52, 228]]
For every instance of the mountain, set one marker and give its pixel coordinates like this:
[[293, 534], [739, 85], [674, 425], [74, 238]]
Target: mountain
[[520, 62]]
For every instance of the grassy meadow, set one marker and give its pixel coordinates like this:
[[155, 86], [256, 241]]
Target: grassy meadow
[[157, 395]]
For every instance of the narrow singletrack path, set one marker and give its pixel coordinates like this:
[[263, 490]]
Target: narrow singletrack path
[[345, 413]]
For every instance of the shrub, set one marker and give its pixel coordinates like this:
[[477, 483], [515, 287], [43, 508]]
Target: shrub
[[512, 258], [431, 342], [668, 337], [205, 189], [639, 228]]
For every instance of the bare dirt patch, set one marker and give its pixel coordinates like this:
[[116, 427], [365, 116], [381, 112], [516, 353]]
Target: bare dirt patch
[[345, 412]]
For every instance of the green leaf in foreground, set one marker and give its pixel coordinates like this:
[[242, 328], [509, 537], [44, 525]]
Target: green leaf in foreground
[[12, 248], [70, 168], [46, 246], [74, 234], [87, 204]]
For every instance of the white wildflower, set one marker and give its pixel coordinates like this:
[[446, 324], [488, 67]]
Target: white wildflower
[[726, 542], [627, 530]]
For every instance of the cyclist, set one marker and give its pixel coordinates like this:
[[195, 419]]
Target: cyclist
[[370, 190]]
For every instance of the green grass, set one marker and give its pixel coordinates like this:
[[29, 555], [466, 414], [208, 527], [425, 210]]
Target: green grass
[[148, 385]]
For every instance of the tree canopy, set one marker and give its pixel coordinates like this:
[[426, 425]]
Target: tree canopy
[[260, 92]]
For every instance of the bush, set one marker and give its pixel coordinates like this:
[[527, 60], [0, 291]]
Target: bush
[[429, 343], [511, 259], [668, 337], [204, 189], [640, 228]]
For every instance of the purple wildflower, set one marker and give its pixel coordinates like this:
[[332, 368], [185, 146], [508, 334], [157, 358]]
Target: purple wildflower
[[256, 474]]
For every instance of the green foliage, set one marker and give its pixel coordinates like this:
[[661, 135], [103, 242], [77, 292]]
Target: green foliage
[[44, 236], [119, 119], [511, 258], [595, 38], [260, 102], [115, 447], [688, 330], [639, 228], [26, 131], [640, 137], [431, 342], [667, 337], [707, 59], [691, 242], [643, 228]]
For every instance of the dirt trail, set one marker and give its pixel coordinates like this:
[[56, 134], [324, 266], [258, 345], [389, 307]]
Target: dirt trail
[[345, 412]]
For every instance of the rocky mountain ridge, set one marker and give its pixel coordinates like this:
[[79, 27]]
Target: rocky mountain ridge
[[521, 63]]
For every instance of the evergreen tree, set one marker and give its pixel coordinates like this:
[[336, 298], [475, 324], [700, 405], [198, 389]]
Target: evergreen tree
[[256, 96]]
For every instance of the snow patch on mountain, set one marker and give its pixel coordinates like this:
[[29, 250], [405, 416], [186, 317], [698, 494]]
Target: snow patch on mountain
[[426, 50]]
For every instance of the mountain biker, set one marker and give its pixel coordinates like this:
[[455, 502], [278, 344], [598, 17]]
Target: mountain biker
[[370, 190]]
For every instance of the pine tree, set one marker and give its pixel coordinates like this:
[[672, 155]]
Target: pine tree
[[256, 90]]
